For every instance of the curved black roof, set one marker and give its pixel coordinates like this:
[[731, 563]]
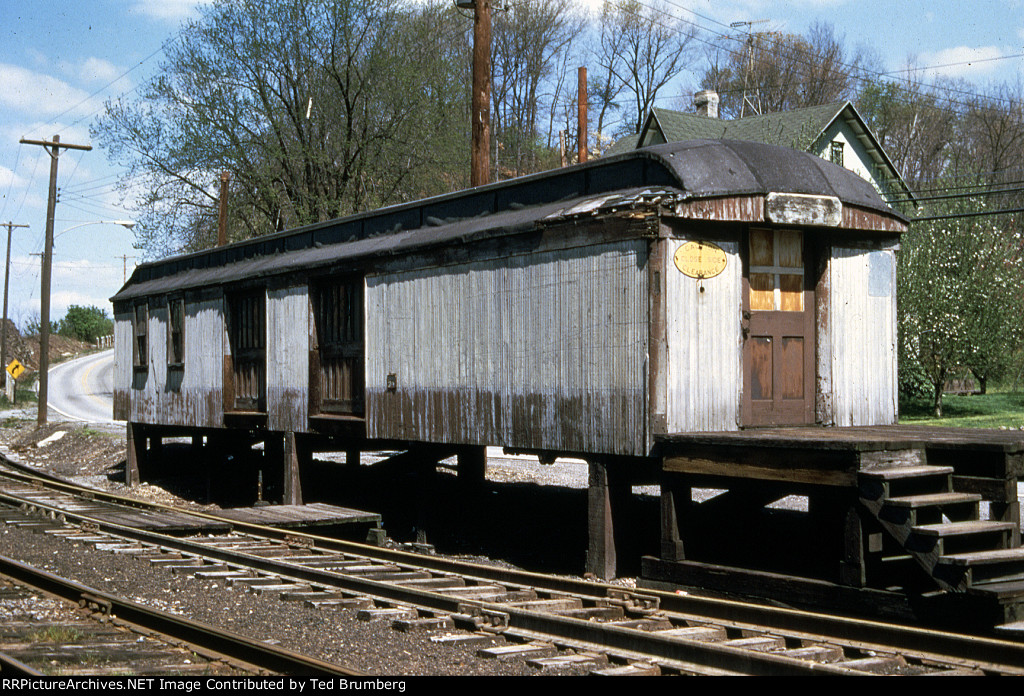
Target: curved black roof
[[689, 170]]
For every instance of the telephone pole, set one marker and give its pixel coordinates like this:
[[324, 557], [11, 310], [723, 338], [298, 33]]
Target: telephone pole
[[52, 148], [7, 274], [480, 153]]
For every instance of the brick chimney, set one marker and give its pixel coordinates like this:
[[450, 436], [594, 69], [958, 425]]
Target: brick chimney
[[706, 102]]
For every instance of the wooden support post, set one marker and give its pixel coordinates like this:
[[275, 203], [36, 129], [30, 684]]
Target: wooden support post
[[852, 568], [601, 560], [352, 457], [472, 466], [292, 485], [835, 512], [674, 495], [135, 449]]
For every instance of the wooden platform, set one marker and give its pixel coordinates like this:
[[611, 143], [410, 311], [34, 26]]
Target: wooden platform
[[920, 514], [833, 456], [295, 516]]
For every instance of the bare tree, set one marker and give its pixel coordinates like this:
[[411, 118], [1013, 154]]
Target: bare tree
[[531, 43], [643, 47], [779, 72]]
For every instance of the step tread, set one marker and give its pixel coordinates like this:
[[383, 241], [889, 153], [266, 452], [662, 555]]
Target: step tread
[[898, 472], [947, 529], [1004, 591], [983, 557], [931, 499]]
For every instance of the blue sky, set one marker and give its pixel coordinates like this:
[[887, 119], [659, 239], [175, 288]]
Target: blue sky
[[60, 60]]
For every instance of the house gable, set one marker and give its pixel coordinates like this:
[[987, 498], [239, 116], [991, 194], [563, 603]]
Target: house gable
[[812, 129]]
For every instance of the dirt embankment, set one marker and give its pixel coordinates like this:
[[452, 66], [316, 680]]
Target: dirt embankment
[[26, 348]]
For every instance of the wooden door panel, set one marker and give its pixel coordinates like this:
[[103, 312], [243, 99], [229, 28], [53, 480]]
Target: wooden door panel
[[760, 367], [779, 333], [791, 367]]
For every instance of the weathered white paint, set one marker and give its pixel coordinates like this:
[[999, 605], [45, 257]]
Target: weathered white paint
[[861, 360], [540, 351], [168, 396], [705, 345], [288, 358]]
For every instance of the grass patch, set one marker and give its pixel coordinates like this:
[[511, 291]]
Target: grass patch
[[57, 634], [992, 410]]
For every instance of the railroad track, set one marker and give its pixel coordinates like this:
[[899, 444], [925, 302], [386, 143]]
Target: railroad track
[[53, 626], [551, 621]]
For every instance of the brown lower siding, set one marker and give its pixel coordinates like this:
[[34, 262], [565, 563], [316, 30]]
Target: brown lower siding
[[608, 423], [191, 408]]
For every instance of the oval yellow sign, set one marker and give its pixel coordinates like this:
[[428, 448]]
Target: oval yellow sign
[[700, 259]]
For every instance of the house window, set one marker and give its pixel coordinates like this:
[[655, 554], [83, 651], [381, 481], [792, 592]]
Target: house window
[[140, 352], [339, 330], [176, 332], [837, 152], [248, 337]]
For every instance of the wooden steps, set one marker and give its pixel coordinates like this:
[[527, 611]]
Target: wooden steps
[[940, 528]]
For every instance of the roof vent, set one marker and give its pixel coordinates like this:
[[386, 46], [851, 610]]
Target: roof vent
[[706, 102]]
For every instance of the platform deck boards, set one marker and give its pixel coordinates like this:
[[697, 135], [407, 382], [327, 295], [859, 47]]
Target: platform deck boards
[[863, 438], [310, 515], [165, 522]]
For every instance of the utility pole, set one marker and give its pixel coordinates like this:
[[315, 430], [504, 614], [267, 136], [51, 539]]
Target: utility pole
[[53, 149], [124, 275], [7, 274], [222, 218], [480, 154], [581, 113]]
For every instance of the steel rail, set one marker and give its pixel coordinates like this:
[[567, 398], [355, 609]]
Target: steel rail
[[201, 636], [994, 655], [853, 630]]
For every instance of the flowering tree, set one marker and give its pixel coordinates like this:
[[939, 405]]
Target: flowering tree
[[959, 300]]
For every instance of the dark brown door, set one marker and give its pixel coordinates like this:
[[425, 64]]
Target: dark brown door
[[778, 317], [249, 352]]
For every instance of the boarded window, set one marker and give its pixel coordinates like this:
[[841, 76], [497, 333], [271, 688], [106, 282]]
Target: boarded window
[[140, 329], [248, 333], [338, 306], [176, 332], [776, 270]]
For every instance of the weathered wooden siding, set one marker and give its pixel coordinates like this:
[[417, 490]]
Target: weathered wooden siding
[[171, 396], [287, 358], [542, 351], [122, 365], [705, 344], [858, 366]]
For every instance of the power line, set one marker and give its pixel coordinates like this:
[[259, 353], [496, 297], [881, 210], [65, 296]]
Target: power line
[[980, 213]]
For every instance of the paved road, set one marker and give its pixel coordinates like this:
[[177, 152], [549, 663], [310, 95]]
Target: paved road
[[83, 389]]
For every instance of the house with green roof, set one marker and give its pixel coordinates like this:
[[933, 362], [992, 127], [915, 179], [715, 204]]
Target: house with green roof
[[835, 132]]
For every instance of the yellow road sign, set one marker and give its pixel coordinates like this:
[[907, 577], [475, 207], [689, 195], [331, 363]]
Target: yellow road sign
[[15, 368]]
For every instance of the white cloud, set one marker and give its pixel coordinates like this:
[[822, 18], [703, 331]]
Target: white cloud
[[35, 93], [963, 61], [166, 10], [10, 180], [97, 70]]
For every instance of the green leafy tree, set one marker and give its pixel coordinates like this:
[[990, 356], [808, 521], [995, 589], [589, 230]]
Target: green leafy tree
[[85, 323], [318, 108]]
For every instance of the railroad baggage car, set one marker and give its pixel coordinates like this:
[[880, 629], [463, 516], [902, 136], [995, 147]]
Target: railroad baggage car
[[699, 286]]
